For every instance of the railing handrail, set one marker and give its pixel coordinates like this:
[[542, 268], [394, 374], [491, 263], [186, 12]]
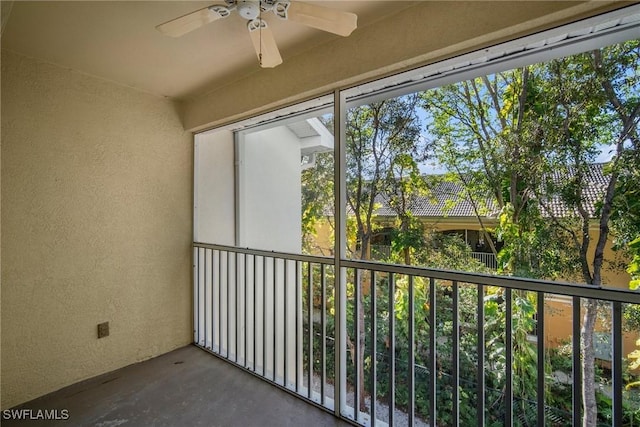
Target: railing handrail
[[269, 254], [520, 283]]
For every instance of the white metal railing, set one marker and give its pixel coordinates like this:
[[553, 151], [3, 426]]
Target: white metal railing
[[487, 258], [406, 333], [380, 252], [249, 308], [383, 252]]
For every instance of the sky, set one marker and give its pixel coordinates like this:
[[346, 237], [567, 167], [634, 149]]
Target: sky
[[433, 168]]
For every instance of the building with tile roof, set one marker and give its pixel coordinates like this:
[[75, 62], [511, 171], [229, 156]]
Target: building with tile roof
[[448, 209], [448, 199]]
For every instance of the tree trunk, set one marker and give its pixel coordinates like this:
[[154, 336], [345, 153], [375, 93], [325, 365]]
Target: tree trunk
[[407, 256]]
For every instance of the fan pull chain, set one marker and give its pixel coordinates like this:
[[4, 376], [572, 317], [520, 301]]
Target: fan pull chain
[[260, 55]]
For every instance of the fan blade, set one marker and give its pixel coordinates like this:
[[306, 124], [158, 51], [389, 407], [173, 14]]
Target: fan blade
[[264, 43], [323, 18], [191, 21]]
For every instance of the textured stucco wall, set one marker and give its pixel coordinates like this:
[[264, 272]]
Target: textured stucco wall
[[96, 226]]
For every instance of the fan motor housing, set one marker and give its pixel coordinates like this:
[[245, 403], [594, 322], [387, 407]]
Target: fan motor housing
[[248, 9]]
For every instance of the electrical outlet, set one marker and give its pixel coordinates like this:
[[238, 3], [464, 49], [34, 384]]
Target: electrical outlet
[[103, 330]]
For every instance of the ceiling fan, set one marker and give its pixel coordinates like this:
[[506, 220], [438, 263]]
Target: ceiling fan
[[322, 18]]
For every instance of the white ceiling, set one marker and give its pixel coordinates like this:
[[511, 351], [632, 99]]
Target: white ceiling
[[118, 41]]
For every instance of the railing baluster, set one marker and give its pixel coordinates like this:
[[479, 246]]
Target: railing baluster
[[392, 348], [275, 319], [323, 333], [576, 364], [244, 309], [455, 374], [236, 278], [286, 326], [356, 327], [255, 266], [412, 351], [340, 352], [298, 324], [204, 298], [540, 385], [508, 331], [310, 315], [196, 326], [194, 289], [616, 363], [432, 353], [373, 316], [264, 316], [480, 350], [213, 299], [220, 302], [228, 304]]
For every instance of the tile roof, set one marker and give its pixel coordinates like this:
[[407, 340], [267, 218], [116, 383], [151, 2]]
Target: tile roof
[[448, 199], [596, 185]]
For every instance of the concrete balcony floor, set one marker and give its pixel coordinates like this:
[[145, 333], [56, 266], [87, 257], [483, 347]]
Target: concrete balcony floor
[[186, 387]]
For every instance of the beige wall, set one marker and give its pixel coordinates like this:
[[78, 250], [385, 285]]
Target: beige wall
[[558, 327], [96, 226], [417, 35]]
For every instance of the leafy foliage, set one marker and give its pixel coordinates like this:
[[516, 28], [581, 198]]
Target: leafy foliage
[[529, 138], [317, 199], [380, 138], [517, 142]]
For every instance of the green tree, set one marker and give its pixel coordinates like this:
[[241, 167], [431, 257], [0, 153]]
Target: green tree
[[619, 68], [594, 99], [376, 134], [478, 127], [402, 186], [317, 199], [528, 137]]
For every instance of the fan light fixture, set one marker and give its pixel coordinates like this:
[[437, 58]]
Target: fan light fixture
[[319, 17]]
